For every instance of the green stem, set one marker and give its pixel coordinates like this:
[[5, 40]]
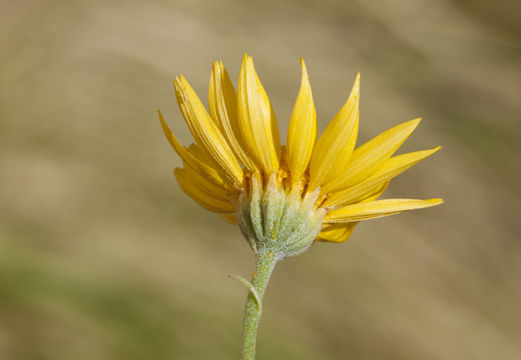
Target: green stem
[[252, 312]]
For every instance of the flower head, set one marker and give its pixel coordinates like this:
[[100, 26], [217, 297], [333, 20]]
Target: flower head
[[285, 197]]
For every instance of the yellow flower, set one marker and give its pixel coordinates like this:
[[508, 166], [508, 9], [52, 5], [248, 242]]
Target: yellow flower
[[238, 168]]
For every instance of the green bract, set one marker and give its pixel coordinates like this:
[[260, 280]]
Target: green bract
[[272, 220]]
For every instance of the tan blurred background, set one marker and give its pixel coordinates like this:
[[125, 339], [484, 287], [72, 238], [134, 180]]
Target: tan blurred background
[[103, 257]]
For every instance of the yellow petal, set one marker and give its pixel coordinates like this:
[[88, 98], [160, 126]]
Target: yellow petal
[[375, 193], [202, 155], [208, 187], [337, 233], [376, 209], [206, 169], [391, 168], [302, 131], [205, 131], [222, 100], [257, 123], [341, 232], [230, 218], [369, 157], [199, 196], [337, 142]]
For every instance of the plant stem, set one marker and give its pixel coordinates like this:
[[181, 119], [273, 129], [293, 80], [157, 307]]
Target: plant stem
[[252, 312]]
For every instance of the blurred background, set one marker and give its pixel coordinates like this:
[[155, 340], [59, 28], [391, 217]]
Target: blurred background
[[103, 257]]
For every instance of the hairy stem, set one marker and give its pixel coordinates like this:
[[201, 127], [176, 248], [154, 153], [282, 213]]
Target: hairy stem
[[252, 312]]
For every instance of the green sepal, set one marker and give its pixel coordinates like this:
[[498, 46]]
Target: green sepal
[[277, 222]]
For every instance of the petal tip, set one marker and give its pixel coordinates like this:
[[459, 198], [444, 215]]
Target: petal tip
[[410, 125], [164, 126], [302, 64], [305, 76], [436, 201], [217, 65], [162, 120], [177, 83], [356, 86], [357, 80], [432, 151]]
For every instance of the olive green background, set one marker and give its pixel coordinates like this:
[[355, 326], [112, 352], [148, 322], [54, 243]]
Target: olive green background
[[103, 257]]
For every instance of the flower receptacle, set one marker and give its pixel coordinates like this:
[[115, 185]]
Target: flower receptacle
[[276, 221]]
